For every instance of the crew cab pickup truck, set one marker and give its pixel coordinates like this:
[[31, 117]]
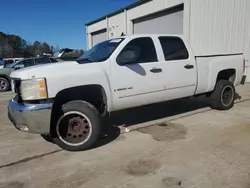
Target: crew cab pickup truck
[[67, 101]]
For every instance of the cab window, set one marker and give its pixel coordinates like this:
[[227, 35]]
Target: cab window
[[173, 48], [139, 50]]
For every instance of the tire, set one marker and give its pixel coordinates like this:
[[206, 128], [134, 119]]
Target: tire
[[47, 137], [219, 100], [4, 84], [78, 126]]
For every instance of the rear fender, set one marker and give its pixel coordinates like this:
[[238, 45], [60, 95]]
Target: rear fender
[[218, 64]]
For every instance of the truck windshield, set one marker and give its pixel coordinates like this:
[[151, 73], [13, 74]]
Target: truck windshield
[[100, 52]]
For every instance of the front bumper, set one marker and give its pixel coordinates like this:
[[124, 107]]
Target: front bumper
[[30, 118]]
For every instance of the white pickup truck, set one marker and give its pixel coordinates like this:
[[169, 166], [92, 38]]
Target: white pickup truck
[[67, 100]]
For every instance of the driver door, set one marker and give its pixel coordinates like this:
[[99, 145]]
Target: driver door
[[138, 81]]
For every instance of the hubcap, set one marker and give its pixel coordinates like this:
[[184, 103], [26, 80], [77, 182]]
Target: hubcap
[[3, 84], [227, 95], [74, 128]]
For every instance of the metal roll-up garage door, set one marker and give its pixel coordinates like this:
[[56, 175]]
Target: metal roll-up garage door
[[169, 21], [99, 36]]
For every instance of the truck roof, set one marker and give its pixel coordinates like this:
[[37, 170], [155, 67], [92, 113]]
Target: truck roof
[[150, 35]]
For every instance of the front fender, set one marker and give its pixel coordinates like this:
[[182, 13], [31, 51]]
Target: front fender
[[78, 78]]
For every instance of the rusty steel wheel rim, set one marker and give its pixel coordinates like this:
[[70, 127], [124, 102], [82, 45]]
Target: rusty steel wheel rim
[[74, 128], [227, 95]]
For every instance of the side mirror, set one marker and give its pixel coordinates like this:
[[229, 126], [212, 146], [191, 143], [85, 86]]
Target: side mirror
[[127, 56], [16, 67]]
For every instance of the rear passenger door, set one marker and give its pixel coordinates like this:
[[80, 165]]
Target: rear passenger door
[[179, 67]]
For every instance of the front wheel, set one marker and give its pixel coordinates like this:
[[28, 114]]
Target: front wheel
[[78, 126], [47, 137], [223, 96]]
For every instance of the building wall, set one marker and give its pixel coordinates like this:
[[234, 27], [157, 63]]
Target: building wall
[[217, 26], [147, 9], [247, 39], [211, 26], [94, 28], [117, 25], [220, 27], [123, 22]]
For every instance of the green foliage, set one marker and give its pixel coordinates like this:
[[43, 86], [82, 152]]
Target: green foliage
[[15, 46]]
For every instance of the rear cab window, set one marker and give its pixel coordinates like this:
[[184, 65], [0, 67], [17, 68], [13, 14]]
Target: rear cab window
[[173, 48]]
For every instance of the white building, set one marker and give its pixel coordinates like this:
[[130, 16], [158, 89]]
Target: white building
[[213, 27]]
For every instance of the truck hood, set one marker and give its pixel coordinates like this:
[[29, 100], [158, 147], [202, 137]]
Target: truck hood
[[51, 70], [68, 74]]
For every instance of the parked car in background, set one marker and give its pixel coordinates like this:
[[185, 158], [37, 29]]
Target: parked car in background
[[20, 63], [114, 75], [8, 61], [1, 64], [6, 71]]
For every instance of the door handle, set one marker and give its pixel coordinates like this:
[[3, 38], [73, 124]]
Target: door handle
[[189, 66], [155, 70]]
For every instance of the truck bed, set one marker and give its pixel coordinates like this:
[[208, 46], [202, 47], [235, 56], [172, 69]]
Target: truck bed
[[208, 68]]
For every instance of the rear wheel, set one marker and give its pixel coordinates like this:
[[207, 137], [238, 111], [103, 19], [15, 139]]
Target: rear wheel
[[4, 84], [78, 126], [223, 96]]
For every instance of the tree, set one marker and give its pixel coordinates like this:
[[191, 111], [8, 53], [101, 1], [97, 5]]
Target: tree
[[16, 46], [15, 41], [81, 52], [45, 48], [2, 44]]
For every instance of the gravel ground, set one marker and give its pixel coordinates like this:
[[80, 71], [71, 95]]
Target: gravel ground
[[176, 144]]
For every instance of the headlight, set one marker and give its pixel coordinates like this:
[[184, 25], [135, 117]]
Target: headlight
[[33, 89]]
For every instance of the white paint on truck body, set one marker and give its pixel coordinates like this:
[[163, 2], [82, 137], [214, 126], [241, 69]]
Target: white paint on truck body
[[135, 84], [209, 67]]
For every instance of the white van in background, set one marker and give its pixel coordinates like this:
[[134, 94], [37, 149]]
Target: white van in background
[[7, 61]]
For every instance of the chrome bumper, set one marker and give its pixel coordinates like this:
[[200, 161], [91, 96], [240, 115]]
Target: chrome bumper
[[30, 118]]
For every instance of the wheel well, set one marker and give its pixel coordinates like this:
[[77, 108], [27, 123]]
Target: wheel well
[[5, 76], [93, 94], [228, 74]]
